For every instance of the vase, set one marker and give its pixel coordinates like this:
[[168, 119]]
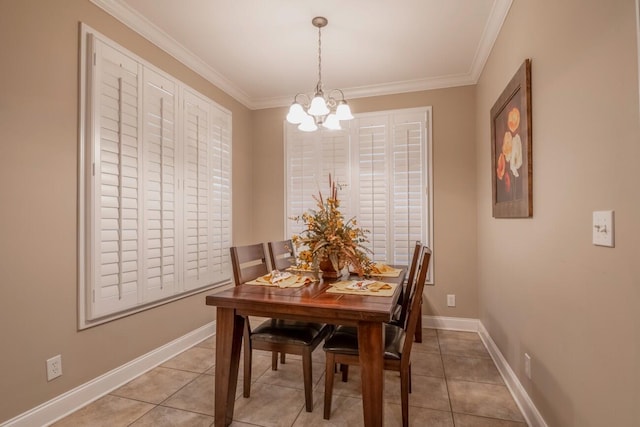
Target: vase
[[328, 272]]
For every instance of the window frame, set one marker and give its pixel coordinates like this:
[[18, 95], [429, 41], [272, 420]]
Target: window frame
[[218, 115], [353, 167]]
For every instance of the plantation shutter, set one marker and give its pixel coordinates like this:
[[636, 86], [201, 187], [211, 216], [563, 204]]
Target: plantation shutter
[[197, 191], [160, 158], [373, 184], [220, 177], [116, 159], [408, 218], [384, 159], [336, 161], [311, 157], [301, 182], [155, 185]]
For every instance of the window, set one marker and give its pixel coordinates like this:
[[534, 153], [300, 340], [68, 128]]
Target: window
[[383, 161], [155, 185]]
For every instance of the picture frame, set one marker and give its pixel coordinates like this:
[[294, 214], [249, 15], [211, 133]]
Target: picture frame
[[511, 153]]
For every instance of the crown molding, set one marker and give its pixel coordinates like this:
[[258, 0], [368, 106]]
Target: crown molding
[[138, 23], [381, 89], [490, 33]]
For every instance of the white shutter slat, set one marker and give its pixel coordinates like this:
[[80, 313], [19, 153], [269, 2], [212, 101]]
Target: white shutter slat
[[160, 150], [388, 173], [157, 204], [373, 184], [197, 192], [408, 216], [220, 178], [116, 158]]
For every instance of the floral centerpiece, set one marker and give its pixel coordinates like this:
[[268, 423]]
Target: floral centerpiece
[[329, 240]]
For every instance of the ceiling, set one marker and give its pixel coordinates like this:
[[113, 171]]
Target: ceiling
[[263, 52]]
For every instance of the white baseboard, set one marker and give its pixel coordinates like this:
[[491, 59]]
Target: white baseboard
[[80, 396], [451, 323], [528, 409], [73, 400], [520, 395]]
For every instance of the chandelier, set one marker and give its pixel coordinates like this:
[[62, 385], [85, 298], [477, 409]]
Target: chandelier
[[321, 109]]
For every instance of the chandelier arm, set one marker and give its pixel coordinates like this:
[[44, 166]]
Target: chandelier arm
[[305, 96], [337, 90]]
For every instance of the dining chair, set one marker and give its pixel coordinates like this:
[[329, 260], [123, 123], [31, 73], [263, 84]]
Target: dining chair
[[400, 316], [281, 254], [274, 335], [342, 345]]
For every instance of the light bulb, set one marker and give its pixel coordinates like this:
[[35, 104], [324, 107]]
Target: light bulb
[[318, 106], [343, 111], [308, 124], [296, 114], [332, 122]]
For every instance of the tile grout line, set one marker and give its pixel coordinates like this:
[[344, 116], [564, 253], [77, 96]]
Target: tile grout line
[[446, 381]]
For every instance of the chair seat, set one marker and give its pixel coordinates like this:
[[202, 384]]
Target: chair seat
[[345, 340], [288, 331]]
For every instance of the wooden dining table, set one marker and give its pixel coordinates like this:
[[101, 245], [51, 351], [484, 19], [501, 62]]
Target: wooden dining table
[[308, 303]]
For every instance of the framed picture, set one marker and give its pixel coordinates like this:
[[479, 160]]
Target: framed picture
[[511, 166]]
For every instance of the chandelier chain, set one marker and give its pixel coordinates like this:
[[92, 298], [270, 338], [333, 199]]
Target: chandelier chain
[[319, 58]]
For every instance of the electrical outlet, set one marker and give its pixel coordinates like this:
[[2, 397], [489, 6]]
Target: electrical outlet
[[451, 300], [54, 367], [527, 365]]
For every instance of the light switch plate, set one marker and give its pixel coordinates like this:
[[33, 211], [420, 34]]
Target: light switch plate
[[603, 228]]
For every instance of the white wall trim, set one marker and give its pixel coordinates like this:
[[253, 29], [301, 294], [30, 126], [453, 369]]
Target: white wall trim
[[80, 396], [73, 400], [120, 10], [520, 395], [451, 323], [138, 23]]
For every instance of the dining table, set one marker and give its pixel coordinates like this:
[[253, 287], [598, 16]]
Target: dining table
[[312, 303]]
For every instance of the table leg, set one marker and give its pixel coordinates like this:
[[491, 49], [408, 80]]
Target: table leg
[[370, 345], [229, 329]]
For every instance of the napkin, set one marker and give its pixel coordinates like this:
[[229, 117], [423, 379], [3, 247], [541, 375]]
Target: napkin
[[362, 287], [281, 280], [380, 269]]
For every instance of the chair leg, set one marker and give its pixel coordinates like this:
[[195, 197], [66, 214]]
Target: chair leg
[[404, 396], [418, 332], [345, 372], [328, 384], [282, 357], [274, 360], [409, 368], [246, 384], [307, 373]]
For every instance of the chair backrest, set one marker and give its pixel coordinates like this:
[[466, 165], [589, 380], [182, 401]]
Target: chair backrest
[[281, 254], [416, 301], [249, 262], [406, 296]]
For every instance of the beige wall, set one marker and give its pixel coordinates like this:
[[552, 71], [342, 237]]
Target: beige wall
[[38, 206], [544, 288], [454, 187], [537, 284]]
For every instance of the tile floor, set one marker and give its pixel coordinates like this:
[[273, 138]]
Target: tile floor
[[455, 383]]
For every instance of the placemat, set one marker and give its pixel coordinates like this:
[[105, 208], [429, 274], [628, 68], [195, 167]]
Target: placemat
[[295, 281], [374, 288]]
